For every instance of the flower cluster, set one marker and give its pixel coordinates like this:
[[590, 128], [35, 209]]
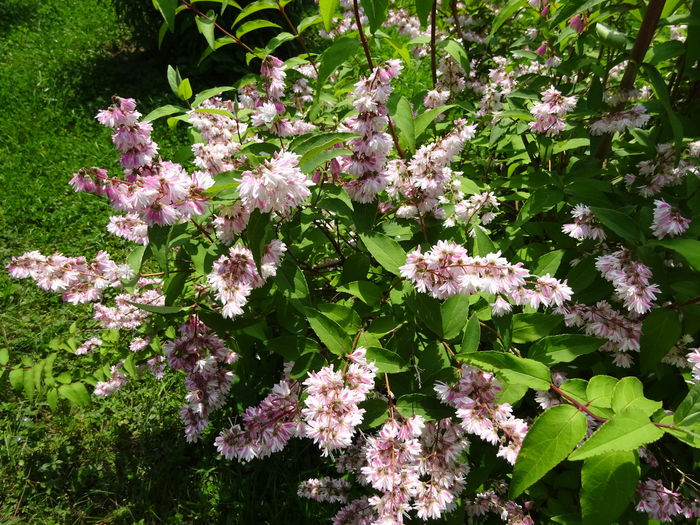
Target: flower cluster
[[423, 181], [585, 225], [330, 407], [474, 397], [663, 504], [129, 227], [115, 382], [550, 111], [446, 270], [668, 222], [693, 358], [477, 206], [89, 346], [267, 427], [369, 151], [203, 356], [79, 280], [493, 501], [325, 489], [663, 171], [630, 279], [619, 121], [602, 320], [125, 314], [275, 185], [235, 275]]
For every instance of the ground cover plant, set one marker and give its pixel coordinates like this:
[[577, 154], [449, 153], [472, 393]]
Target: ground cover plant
[[455, 253]]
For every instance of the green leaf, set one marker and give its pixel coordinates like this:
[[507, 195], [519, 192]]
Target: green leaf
[[569, 9], [291, 347], [602, 476], [454, 313], [347, 318], [292, 283], [600, 391], [629, 395], [457, 51], [403, 118], [472, 335], [258, 235], [427, 309], [376, 412], [168, 9], [277, 41], [517, 370], [482, 244], [660, 331], [308, 22], [163, 310], [627, 430], [184, 90], [16, 377], [158, 245], [306, 363], [310, 162], [660, 89], [329, 332], [367, 292], [206, 27], [550, 439], [327, 8], [689, 249], [504, 14], [376, 12], [386, 251], [173, 78], [549, 263], [611, 37], [422, 121], [163, 111], [423, 8], [531, 327], [254, 7], [688, 412], [4, 356], [423, 405], [342, 49], [209, 93], [620, 223], [385, 360], [563, 348], [52, 398], [254, 25], [76, 393]]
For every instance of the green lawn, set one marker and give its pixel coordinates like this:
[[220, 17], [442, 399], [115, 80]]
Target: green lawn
[[123, 459]]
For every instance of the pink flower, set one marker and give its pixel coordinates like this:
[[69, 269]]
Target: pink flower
[[668, 222], [578, 23]]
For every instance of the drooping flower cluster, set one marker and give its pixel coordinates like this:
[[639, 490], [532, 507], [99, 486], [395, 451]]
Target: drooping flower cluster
[[267, 427], [494, 501], [630, 279], [423, 181], [129, 227], [446, 270], [325, 489], [330, 407], [369, 151], [80, 281], [664, 171], [203, 356], [668, 221], [131, 137], [478, 206], [693, 358], [550, 111], [235, 275], [474, 397], [223, 136], [275, 185], [634, 117], [125, 314], [585, 225], [602, 320], [89, 346], [663, 504], [115, 382]]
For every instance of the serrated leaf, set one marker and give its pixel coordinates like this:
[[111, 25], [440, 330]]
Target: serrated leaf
[[308, 22], [550, 439], [514, 369], [688, 412], [569, 9], [329, 332], [291, 347], [52, 398], [184, 90], [376, 412], [453, 313], [531, 327], [422, 121], [16, 377], [661, 91], [423, 405], [387, 252], [423, 8], [627, 430], [563, 348], [168, 8], [4, 356], [385, 360], [505, 13], [342, 49], [620, 223], [163, 111], [310, 362], [254, 25], [549, 263], [277, 41], [660, 331], [206, 27], [601, 476], [254, 7], [292, 283], [173, 78], [376, 11], [347, 318], [309, 163], [258, 235], [629, 395], [600, 391], [209, 93], [163, 310], [472, 335], [482, 244], [403, 119]]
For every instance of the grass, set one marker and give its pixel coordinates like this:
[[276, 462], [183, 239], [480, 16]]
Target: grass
[[123, 459]]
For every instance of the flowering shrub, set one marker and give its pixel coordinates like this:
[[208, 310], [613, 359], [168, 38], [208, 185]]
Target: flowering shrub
[[416, 228]]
